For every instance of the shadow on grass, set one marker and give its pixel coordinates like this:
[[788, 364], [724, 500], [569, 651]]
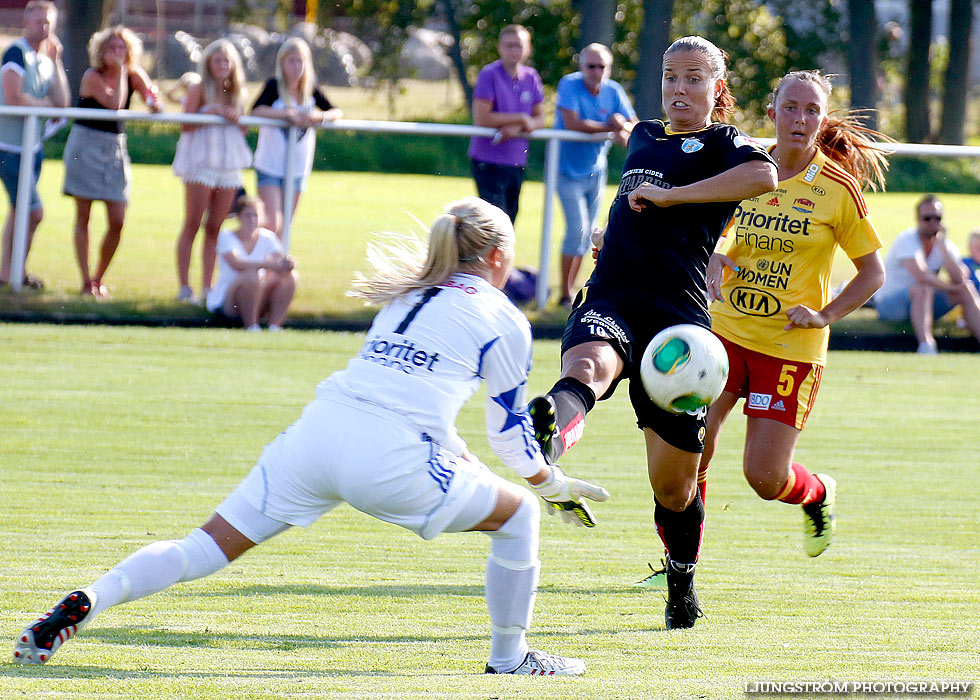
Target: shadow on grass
[[405, 591], [861, 330], [72, 672], [54, 308]]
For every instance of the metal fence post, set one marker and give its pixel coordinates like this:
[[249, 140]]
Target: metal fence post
[[289, 186], [550, 178], [22, 206]]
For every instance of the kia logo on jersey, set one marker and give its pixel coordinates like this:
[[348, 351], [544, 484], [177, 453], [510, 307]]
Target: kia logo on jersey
[[754, 302]]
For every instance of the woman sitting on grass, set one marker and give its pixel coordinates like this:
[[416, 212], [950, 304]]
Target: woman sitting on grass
[[255, 278]]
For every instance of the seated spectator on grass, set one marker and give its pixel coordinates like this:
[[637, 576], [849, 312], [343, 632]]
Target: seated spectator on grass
[[914, 290], [972, 261], [292, 95], [255, 279], [210, 158], [31, 75], [96, 158]]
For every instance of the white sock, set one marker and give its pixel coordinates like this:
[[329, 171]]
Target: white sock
[[511, 585], [155, 567]]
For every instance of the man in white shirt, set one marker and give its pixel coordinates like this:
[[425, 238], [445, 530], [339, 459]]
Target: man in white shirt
[[914, 290]]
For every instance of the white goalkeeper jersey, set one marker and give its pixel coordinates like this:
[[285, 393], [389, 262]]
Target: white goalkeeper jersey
[[425, 355]]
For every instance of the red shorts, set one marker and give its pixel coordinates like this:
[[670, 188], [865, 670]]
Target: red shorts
[[782, 390]]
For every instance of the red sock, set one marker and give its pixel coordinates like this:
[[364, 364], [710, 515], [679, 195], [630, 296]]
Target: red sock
[[703, 482], [801, 487]]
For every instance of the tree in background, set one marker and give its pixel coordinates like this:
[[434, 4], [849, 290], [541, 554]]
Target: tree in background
[[952, 126], [383, 25], [451, 17], [77, 24], [598, 21], [917, 93], [863, 59], [653, 39], [554, 27]]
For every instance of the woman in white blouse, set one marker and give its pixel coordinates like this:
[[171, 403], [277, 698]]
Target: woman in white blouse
[[255, 278]]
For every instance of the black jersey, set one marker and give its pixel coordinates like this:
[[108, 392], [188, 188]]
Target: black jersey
[[656, 259]]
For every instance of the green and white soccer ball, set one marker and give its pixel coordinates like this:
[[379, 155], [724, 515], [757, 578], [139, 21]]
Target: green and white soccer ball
[[684, 368]]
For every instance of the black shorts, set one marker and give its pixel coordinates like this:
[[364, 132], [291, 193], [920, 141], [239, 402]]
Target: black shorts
[[629, 331]]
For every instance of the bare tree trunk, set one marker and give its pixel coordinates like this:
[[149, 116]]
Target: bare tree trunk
[[864, 78], [159, 64], [598, 21], [654, 39], [80, 21], [917, 128], [951, 129], [456, 53]]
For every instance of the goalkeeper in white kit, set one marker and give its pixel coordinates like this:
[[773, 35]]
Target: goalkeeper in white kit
[[380, 435]]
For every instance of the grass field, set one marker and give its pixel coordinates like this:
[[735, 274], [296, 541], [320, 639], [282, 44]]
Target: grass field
[[111, 438], [335, 220]]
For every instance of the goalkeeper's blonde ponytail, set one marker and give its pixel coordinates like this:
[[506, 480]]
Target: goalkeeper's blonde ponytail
[[459, 240]]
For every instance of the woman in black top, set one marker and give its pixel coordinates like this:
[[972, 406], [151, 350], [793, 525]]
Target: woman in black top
[[96, 158], [292, 95], [682, 181]]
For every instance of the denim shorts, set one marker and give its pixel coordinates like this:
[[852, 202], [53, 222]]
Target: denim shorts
[[895, 306], [10, 171], [580, 200], [264, 179]]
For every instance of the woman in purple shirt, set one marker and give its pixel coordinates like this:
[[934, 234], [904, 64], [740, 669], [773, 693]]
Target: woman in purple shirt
[[508, 97]]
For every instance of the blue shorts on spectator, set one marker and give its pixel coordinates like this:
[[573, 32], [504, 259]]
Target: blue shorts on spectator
[[895, 307], [580, 200], [10, 171], [264, 179]]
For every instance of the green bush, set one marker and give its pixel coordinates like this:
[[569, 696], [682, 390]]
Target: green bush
[[908, 174]]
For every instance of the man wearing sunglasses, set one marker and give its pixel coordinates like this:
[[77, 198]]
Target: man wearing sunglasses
[[914, 290], [588, 101]]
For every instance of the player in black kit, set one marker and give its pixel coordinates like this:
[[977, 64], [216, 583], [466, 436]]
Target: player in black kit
[[681, 184]]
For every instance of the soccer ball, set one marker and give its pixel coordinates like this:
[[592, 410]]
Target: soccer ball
[[684, 368]]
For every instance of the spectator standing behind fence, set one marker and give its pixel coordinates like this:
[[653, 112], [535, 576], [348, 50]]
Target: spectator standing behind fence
[[210, 158], [96, 157], [588, 101], [32, 75], [255, 278], [914, 291], [508, 96], [292, 95]]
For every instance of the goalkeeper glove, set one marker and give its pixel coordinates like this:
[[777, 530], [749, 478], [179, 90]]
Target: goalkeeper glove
[[563, 495]]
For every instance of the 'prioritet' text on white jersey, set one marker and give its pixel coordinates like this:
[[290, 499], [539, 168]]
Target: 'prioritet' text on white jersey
[[425, 355]]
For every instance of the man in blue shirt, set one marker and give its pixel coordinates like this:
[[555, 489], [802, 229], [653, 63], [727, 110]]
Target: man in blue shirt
[[588, 101]]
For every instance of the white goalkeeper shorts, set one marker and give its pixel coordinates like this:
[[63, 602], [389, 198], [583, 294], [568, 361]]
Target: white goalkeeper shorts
[[368, 457]]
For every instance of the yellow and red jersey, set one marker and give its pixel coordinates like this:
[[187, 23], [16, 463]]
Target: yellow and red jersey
[[783, 243]]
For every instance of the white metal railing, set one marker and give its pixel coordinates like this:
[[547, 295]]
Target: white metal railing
[[32, 115], [554, 137]]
